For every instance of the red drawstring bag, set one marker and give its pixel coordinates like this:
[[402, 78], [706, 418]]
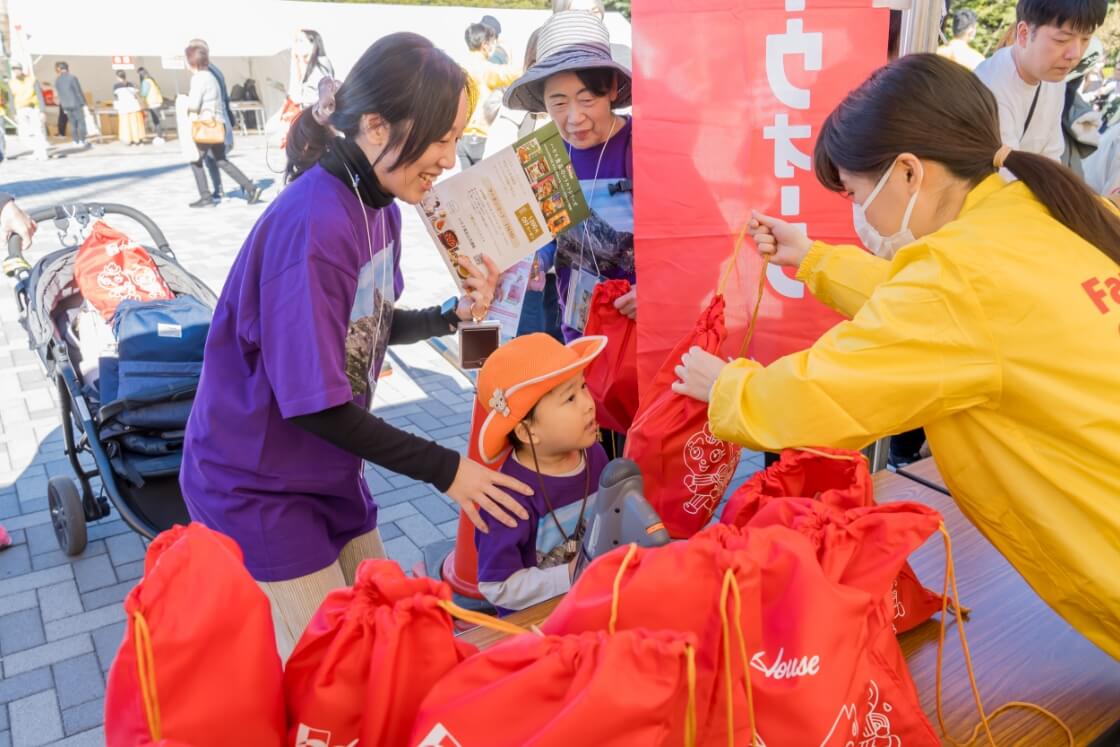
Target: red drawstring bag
[[826, 669], [111, 267], [686, 468], [368, 657], [760, 603], [697, 577], [840, 479], [612, 378], [198, 663], [630, 688]]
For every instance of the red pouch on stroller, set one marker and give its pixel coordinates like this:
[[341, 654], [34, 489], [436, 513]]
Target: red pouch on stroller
[[368, 658], [612, 378], [686, 468], [110, 267], [839, 479], [198, 663], [629, 688]]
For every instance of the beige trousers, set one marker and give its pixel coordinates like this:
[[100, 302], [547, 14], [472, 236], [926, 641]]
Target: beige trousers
[[295, 601]]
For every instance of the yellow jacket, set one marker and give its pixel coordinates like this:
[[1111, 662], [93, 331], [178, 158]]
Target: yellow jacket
[[1000, 334], [488, 77], [24, 93]]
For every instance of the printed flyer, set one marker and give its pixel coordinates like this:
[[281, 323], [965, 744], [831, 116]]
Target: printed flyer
[[507, 206]]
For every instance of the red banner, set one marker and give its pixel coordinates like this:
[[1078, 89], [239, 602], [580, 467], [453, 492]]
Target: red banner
[[729, 96]]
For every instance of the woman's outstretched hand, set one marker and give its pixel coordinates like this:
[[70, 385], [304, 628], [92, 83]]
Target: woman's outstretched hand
[[780, 242], [477, 487]]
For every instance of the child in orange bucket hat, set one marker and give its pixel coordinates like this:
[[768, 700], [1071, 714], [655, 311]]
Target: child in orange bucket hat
[[540, 418]]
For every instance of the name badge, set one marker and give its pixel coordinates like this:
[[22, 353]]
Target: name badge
[[578, 303]]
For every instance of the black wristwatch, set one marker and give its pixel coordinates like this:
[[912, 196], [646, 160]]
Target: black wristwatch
[[449, 311]]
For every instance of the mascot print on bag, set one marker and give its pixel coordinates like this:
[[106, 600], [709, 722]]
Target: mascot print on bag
[[710, 470]]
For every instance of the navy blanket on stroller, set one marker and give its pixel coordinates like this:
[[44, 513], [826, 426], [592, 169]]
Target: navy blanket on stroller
[[147, 389]]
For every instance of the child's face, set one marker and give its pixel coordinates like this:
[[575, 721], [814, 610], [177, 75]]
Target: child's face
[[564, 419]]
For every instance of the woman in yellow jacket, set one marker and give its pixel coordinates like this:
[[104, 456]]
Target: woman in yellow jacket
[[996, 326]]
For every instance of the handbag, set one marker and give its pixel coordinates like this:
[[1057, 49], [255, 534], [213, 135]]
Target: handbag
[[208, 131]]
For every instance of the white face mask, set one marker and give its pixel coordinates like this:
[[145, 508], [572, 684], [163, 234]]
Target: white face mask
[[880, 245]]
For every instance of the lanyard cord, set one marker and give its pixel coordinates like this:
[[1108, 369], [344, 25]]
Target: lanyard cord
[[548, 503], [388, 276], [591, 198]]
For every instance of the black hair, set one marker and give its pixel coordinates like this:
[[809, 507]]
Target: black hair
[[597, 80], [121, 75], [142, 72], [938, 110], [1083, 15], [514, 441], [478, 34], [414, 87], [62, 66], [963, 20], [318, 49]]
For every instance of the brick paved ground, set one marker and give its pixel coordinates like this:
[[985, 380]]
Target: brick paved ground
[[60, 618]]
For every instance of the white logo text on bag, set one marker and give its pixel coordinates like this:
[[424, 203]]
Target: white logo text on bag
[[782, 669], [307, 736], [439, 736]]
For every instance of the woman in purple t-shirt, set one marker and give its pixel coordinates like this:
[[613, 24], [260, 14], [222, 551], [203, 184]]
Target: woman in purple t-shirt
[[575, 80], [280, 428]]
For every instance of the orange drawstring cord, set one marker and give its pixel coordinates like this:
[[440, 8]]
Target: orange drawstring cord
[[761, 285], [485, 621], [985, 719], [730, 584], [690, 717], [757, 306], [734, 259], [145, 666], [617, 586], [691, 720]]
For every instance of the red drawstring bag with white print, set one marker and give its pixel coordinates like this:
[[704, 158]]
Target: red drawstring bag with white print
[[684, 587], [368, 658], [760, 604], [633, 687], [839, 479], [198, 664], [612, 377], [110, 267], [686, 468]]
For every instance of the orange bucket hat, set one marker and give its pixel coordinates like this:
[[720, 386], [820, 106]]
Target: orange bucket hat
[[517, 375]]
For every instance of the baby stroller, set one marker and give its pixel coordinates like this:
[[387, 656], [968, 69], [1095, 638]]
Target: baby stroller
[[134, 444]]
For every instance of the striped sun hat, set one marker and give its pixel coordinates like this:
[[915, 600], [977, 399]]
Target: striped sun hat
[[568, 41]]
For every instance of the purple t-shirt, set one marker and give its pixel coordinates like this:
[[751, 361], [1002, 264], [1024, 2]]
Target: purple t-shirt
[[604, 243], [507, 550], [301, 326]]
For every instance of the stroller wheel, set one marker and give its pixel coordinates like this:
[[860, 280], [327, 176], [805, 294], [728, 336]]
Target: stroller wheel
[[67, 515]]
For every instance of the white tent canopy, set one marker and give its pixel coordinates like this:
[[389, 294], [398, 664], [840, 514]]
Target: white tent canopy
[[247, 38]]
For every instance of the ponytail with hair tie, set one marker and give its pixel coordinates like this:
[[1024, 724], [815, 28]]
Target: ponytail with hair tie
[[1001, 156], [324, 107]]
